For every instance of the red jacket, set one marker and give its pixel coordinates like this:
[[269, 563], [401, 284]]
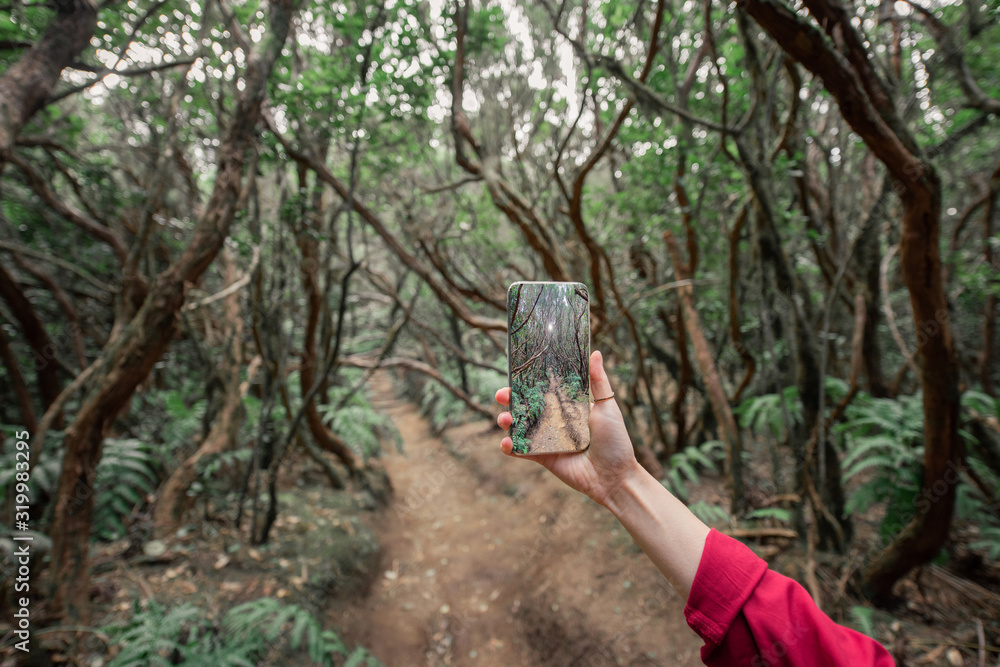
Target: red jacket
[[751, 616]]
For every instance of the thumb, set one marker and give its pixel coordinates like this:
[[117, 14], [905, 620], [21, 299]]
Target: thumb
[[600, 387]]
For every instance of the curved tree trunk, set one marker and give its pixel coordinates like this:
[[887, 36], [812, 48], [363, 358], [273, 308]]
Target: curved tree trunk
[[129, 356], [309, 268], [172, 501], [34, 332], [27, 83], [802, 341], [868, 262], [848, 74], [72, 327], [710, 374]]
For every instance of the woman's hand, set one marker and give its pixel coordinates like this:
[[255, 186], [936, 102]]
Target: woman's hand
[[607, 463]]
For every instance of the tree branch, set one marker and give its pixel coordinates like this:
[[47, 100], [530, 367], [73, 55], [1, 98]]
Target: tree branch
[[420, 367], [39, 186], [103, 72], [27, 83], [62, 263], [955, 59], [649, 97], [446, 295]]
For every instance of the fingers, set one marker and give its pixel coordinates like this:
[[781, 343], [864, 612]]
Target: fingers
[[504, 419], [503, 396], [600, 387]]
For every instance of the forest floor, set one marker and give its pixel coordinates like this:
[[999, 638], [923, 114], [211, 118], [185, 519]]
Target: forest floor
[[489, 560], [482, 559], [562, 419]]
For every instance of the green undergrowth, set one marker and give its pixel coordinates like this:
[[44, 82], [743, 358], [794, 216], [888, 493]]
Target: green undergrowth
[[529, 403], [260, 632], [442, 407]]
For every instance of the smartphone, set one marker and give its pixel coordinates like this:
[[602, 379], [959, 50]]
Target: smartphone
[[548, 362]]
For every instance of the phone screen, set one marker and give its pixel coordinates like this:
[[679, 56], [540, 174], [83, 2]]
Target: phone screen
[[548, 343]]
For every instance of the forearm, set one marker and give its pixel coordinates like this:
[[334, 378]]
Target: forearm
[[666, 530]]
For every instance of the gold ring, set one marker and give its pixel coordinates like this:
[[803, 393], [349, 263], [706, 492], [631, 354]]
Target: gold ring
[[598, 400]]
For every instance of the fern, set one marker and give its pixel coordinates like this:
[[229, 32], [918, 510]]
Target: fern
[[357, 422], [980, 402], [126, 472], [443, 408], [766, 412], [776, 513], [573, 388], [268, 619], [710, 514], [685, 463], [882, 437], [247, 635], [760, 412], [152, 636], [527, 409], [483, 383], [182, 421], [991, 542], [972, 506], [864, 618]]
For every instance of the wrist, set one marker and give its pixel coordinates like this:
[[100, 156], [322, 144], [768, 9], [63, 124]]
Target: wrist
[[627, 490]]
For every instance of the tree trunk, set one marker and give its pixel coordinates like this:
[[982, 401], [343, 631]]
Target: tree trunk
[[868, 261], [128, 357], [921, 539], [46, 368], [677, 410], [989, 314], [27, 83], [72, 326], [456, 336], [848, 74], [309, 268], [802, 342], [172, 501], [710, 374], [734, 304], [17, 383]]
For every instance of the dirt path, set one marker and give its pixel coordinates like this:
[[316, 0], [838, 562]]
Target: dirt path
[[489, 560], [561, 419]]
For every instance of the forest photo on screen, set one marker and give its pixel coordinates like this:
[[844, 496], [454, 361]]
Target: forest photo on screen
[[549, 348]]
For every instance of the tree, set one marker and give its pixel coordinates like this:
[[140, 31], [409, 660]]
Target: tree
[[128, 357], [867, 105]]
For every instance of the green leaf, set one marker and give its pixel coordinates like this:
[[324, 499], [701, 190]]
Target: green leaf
[[777, 513], [864, 618]]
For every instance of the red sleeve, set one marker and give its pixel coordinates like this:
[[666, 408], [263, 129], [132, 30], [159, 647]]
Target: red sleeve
[[750, 615]]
